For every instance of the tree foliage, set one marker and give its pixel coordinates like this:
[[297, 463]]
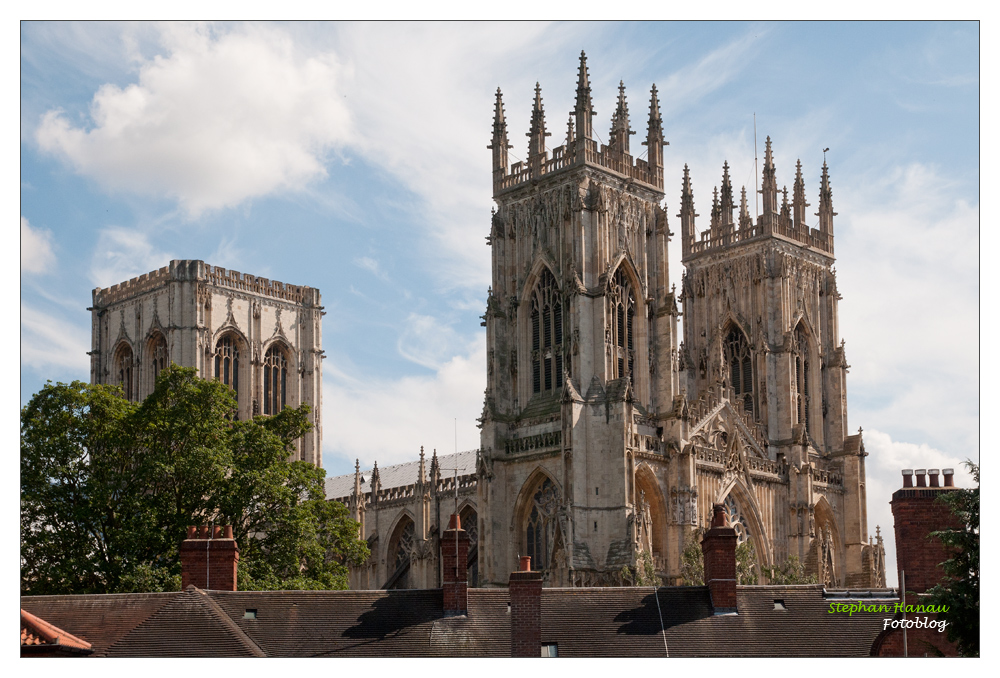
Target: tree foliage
[[108, 488], [643, 573], [959, 591], [792, 571], [693, 561]]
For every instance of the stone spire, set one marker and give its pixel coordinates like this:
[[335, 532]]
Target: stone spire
[[499, 144], [745, 221], [570, 135], [422, 471], [654, 132], [716, 212], [826, 213], [726, 203], [357, 477], [768, 185], [687, 213], [620, 129], [799, 203], [537, 134], [584, 110], [786, 214], [435, 469]]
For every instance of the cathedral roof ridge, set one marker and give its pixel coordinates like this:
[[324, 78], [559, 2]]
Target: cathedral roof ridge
[[400, 475]]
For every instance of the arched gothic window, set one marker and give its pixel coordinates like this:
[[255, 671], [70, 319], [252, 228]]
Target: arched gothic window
[[227, 363], [546, 335], [470, 523], [736, 519], [123, 370], [622, 313], [158, 359], [275, 380], [540, 527], [739, 360], [802, 376], [400, 548]]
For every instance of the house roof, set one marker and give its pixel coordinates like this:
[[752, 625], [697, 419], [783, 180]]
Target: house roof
[[412, 623], [401, 475], [37, 632]]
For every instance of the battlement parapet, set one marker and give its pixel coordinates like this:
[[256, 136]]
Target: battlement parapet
[[623, 164], [197, 270]]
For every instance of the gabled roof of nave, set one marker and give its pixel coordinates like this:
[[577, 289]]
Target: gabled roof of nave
[[401, 475]]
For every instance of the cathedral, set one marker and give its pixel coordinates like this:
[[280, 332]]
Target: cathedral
[[607, 436]]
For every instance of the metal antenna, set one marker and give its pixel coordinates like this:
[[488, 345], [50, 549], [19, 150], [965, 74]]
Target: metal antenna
[[756, 209]]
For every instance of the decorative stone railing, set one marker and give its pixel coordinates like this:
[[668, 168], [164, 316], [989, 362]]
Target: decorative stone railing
[[621, 163], [542, 441]]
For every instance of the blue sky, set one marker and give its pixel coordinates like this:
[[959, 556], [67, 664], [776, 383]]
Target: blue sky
[[352, 158]]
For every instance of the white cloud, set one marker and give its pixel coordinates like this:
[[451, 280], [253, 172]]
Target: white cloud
[[50, 342], [389, 419], [122, 254], [428, 341], [372, 266], [908, 269], [886, 459], [36, 249], [220, 118]]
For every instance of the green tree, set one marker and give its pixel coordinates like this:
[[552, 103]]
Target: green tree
[[643, 573], [959, 591], [746, 563], [108, 488], [693, 560], [792, 571]]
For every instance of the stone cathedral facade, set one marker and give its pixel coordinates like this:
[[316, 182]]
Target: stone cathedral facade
[[261, 337], [607, 437]]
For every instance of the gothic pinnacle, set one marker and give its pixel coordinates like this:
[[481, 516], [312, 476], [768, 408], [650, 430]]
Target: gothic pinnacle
[[570, 136], [727, 193], [499, 143], [536, 144], [826, 213], [654, 142], [584, 110], [620, 131]]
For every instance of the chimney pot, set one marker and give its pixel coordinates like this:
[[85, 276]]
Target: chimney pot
[[525, 565], [949, 477], [203, 532], [718, 515], [921, 474], [932, 475], [455, 522], [907, 477], [216, 532], [229, 531], [192, 531]]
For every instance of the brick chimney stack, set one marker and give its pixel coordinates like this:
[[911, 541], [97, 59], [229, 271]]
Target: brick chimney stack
[[209, 561], [455, 563], [525, 611], [915, 514], [719, 548]]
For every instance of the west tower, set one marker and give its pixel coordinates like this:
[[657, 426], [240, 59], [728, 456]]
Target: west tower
[[760, 306], [581, 330]]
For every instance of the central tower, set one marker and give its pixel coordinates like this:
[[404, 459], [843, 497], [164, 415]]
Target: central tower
[[581, 335]]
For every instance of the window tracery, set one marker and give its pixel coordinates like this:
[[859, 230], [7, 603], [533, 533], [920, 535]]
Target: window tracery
[[546, 335], [540, 527], [736, 520], [227, 363], [802, 376], [622, 313], [739, 360], [123, 370], [158, 360], [275, 380]]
